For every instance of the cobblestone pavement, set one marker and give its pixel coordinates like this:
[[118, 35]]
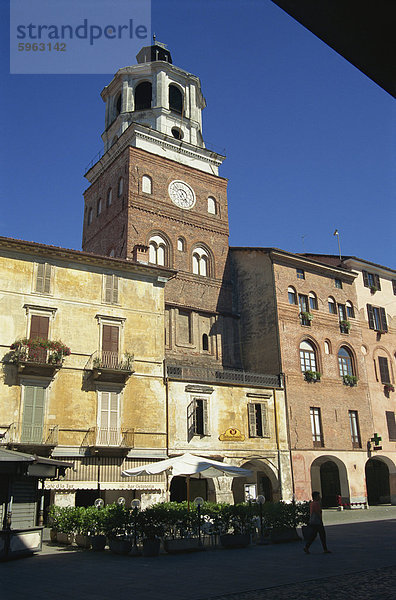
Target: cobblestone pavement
[[362, 566], [365, 585]]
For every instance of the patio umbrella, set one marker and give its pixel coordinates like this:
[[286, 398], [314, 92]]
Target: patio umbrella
[[189, 465]]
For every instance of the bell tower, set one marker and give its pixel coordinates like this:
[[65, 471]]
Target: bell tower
[[156, 196]]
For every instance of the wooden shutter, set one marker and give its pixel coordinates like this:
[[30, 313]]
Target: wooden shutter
[[384, 324], [39, 327], [191, 420], [384, 370], [365, 279], [205, 416], [390, 421], [110, 338], [252, 420], [370, 315], [377, 282], [111, 289], [43, 278], [264, 419], [33, 414]]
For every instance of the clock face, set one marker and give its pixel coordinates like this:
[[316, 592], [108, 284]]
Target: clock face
[[181, 194]]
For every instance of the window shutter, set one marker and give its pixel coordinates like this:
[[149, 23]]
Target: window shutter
[[384, 324], [191, 420], [252, 420], [264, 419], [47, 278], [205, 416], [377, 282], [39, 327], [33, 414], [108, 288], [390, 421], [384, 370], [110, 338], [365, 279], [370, 315], [115, 289]]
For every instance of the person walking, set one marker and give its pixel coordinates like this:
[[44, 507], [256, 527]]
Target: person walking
[[316, 523]]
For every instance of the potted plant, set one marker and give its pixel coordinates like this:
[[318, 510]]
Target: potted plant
[[97, 537], [345, 326], [306, 317], [350, 380], [283, 518], [312, 375], [66, 525], [388, 387], [373, 289], [53, 521], [237, 523], [117, 524], [151, 529], [180, 527]]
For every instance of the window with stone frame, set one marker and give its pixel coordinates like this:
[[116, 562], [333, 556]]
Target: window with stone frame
[[258, 419], [377, 318], [143, 95], [147, 184], [43, 278], [308, 360], [197, 417]]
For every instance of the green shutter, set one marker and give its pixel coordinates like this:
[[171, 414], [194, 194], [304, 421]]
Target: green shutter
[[370, 315], [33, 414], [252, 420], [47, 278], [43, 278], [384, 324], [264, 420]]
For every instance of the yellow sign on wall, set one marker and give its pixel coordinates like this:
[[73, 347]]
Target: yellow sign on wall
[[232, 434]]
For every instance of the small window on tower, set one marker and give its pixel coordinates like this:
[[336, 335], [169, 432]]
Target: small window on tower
[[118, 104], [175, 99], [109, 197], [89, 218], [181, 245], [147, 184], [177, 133], [143, 95], [99, 207], [212, 207], [120, 186]]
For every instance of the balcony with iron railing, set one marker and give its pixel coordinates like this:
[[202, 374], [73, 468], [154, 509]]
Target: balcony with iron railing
[[111, 366], [99, 437], [21, 434], [223, 376], [38, 357]]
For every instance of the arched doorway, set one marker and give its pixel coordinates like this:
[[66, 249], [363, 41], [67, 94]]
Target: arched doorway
[[263, 477], [330, 483], [377, 482]]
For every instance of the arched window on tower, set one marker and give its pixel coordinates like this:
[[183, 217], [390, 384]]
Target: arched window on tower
[[99, 207], [307, 356], [109, 197], [118, 105], [158, 251], [143, 93], [205, 342], [200, 262], [89, 217], [345, 362], [147, 184], [120, 186], [175, 99], [212, 206]]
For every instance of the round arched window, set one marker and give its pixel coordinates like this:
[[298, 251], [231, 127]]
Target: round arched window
[[291, 292], [332, 305], [200, 262], [307, 356], [157, 251], [345, 361], [147, 184]]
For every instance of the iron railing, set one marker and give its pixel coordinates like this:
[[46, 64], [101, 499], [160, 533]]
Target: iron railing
[[109, 436], [213, 375], [22, 433], [111, 360]]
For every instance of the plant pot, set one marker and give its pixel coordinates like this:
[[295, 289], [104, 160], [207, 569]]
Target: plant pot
[[120, 546], [235, 540], [280, 535], [53, 535], [98, 542], [82, 541], [182, 545], [64, 538], [151, 546]]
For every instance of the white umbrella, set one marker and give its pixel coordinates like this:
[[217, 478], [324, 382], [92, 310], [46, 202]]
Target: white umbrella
[[189, 465]]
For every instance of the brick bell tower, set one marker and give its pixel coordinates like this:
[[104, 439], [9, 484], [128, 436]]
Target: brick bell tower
[[157, 187]]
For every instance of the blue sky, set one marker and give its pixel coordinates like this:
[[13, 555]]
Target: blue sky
[[308, 138]]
